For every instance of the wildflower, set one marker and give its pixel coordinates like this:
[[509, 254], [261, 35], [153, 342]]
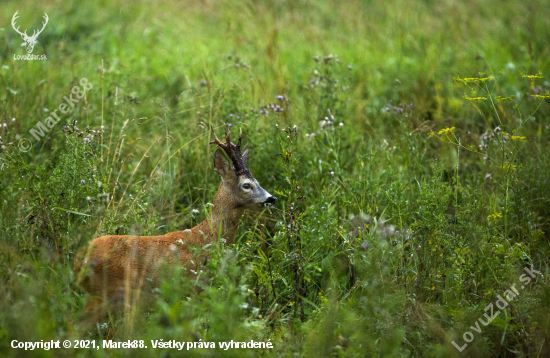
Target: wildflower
[[474, 80], [341, 124], [365, 245], [531, 77], [495, 216], [281, 98], [489, 176], [445, 130], [331, 173], [504, 99], [546, 95], [349, 67], [508, 165], [475, 98], [83, 181]]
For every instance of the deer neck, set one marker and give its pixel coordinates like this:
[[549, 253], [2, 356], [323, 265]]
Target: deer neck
[[225, 216]]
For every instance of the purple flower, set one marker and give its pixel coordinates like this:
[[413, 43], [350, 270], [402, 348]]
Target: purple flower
[[229, 124], [387, 109], [365, 245], [83, 181], [231, 115], [349, 67], [281, 98]]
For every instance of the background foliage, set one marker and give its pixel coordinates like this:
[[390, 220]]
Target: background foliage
[[407, 142]]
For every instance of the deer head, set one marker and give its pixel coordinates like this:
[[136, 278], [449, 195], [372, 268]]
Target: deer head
[[239, 188], [30, 40]]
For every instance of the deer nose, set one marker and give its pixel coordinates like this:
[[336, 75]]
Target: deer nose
[[271, 200]]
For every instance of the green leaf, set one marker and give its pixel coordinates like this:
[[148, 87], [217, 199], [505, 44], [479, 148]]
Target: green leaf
[[72, 211]]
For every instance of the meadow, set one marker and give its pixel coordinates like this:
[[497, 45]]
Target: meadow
[[407, 143]]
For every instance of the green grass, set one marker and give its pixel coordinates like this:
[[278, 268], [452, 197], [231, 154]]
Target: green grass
[[446, 226]]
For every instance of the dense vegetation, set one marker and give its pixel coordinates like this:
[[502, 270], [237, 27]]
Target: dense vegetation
[[407, 142]]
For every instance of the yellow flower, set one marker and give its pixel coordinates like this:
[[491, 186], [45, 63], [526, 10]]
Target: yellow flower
[[504, 99], [495, 216], [507, 165], [445, 130], [546, 95], [538, 75], [475, 98], [474, 80]]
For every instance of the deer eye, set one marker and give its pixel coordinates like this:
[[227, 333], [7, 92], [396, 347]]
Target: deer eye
[[246, 186]]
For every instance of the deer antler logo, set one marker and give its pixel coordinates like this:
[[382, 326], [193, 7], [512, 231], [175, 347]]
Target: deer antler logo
[[30, 40]]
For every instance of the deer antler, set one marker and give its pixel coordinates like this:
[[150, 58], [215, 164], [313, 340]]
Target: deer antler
[[15, 17], [35, 34], [232, 150]]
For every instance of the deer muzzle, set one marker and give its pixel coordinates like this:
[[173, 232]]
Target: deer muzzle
[[270, 201]]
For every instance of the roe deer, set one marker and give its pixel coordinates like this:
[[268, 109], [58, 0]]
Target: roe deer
[[115, 264]]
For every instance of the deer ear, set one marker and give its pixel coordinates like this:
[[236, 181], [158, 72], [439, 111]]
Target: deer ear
[[221, 163], [245, 156]]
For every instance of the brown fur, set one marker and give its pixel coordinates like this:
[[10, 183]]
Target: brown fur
[[115, 265]]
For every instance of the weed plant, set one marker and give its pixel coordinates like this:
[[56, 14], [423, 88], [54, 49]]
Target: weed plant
[[412, 171]]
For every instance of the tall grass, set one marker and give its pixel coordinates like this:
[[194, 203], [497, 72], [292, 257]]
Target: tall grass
[[406, 142]]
